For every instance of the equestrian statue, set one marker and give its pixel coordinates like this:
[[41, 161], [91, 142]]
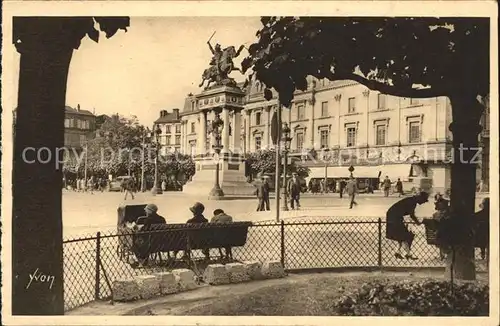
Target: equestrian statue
[[221, 65]]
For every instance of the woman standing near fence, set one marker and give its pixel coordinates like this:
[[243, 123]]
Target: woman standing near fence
[[396, 229]]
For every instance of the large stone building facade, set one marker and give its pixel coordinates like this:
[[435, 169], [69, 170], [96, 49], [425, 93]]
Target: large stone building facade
[[338, 124]]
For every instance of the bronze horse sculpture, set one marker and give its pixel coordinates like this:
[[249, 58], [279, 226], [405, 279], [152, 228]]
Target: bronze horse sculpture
[[219, 70]]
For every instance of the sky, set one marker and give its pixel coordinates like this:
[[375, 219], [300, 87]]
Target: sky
[[152, 66]]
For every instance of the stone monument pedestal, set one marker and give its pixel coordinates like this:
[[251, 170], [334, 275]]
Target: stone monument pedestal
[[232, 179]]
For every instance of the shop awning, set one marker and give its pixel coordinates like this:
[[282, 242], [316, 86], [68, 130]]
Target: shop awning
[[367, 171], [395, 171], [343, 172]]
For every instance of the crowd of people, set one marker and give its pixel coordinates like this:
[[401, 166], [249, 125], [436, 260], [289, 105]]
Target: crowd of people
[[86, 185]]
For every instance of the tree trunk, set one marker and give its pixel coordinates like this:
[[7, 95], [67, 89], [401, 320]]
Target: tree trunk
[[465, 128], [37, 181]]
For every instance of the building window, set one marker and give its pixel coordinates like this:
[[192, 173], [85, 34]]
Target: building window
[[177, 140], [301, 115], [193, 128], [192, 145], [82, 140], [167, 140], [324, 138], [414, 132], [324, 109], [66, 123], [414, 101], [192, 106], [352, 105], [167, 129], [257, 118], [351, 136], [381, 102], [207, 144], [381, 134], [258, 142], [300, 140], [177, 129]]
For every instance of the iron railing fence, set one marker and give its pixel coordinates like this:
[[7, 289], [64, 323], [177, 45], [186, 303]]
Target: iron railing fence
[[92, 263]]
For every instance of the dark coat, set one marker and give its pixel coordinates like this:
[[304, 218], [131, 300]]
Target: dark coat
[[199, 218]]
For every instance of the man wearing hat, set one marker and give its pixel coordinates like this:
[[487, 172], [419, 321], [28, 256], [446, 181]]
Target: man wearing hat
[[294, 191], [395, 226], [152, 216], [260, 192], [197, 209]]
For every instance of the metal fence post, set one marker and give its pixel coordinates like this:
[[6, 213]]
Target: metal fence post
[[379, 222], [97, 266], [283, 243]]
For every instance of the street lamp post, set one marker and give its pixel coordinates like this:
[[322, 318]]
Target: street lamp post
[[145, 135], [286, 142], [216, 192], [156, 187], [326, 157]]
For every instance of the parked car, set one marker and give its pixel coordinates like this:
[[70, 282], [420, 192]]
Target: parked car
[[116, 184]]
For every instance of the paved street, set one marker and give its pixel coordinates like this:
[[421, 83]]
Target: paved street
[[85, 214], [306, 245]]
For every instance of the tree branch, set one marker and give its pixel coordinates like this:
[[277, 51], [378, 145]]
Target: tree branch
[[388, 89]]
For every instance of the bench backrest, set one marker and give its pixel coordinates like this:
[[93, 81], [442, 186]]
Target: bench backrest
[[130, 213], [172, 237]]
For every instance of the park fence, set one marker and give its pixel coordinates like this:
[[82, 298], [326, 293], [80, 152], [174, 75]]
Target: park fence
[[92, 263]]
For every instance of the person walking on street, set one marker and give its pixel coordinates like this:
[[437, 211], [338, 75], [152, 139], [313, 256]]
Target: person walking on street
[[399, 187], [128, 187], [352, 190], [265, 193], [396, 229], [342, 187], [293, 188], [386, 185], [259, 192]]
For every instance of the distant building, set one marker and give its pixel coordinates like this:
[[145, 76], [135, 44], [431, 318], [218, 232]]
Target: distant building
[[375, 133], [170, 125], [79, 127]]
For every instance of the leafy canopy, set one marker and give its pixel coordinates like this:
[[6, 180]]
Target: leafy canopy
[[264, 161], [406, 57]]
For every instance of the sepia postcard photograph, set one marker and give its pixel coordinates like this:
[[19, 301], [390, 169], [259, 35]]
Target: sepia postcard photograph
[[249, 162]]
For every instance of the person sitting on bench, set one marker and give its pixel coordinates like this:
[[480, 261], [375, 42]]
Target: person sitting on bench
[[197, 209], [152, 216], [221, 217]]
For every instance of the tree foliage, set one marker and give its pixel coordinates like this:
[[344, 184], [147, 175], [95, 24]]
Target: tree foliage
[[70, 29], [406, 57], [264, 161]]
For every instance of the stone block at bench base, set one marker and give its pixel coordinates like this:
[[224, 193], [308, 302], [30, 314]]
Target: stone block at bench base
[[125, 290], [237, 273], [168, 284], [273, 269], [149, 286], [184, 279], [216, 274], [253, 269]]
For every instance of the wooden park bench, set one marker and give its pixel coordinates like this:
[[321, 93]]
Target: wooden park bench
[[152, 240]]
